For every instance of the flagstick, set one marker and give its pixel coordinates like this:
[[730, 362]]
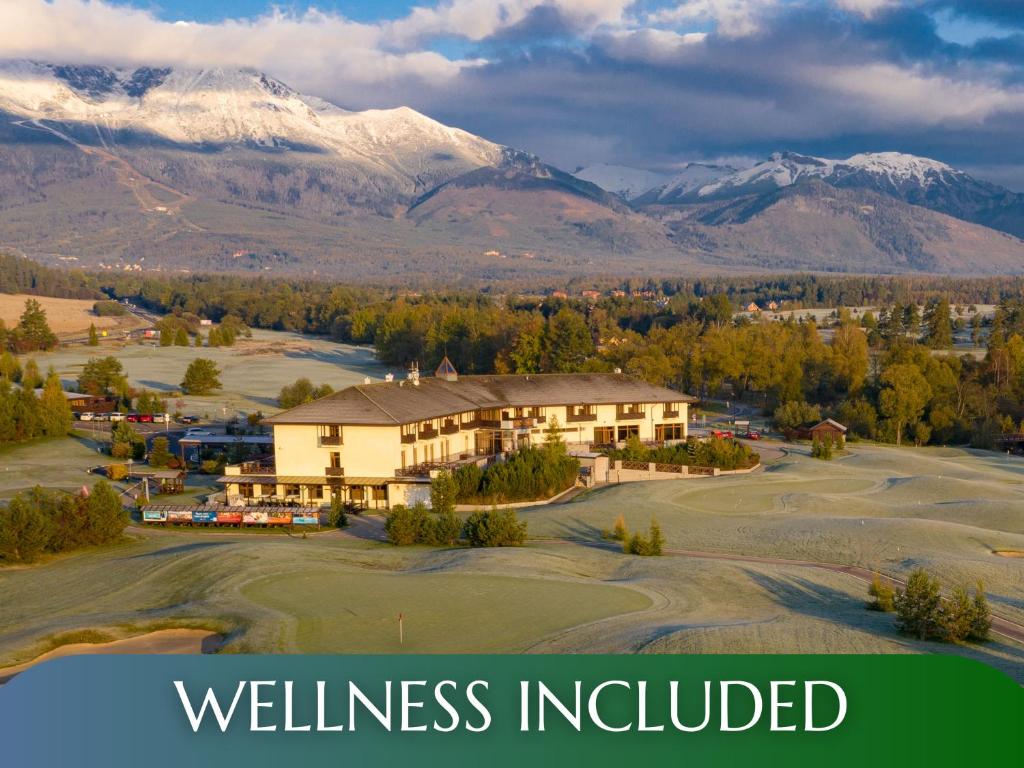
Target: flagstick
[[401, 630]]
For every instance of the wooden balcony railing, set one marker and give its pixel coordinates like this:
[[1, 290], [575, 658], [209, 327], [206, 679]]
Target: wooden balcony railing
[[670, 413], [628, 414], [409, 438], [575, 418], [334, 471], [449, 429], [330, 440], [427, 434]]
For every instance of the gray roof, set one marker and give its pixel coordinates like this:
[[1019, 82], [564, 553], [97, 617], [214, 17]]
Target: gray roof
[[403, 402]]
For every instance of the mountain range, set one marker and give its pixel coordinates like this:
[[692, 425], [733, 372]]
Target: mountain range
[[231, 169]]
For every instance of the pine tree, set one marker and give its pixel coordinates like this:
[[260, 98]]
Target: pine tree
[[619, 531], [30, 376], [10, 368], [54, 408], [443, 491], [160, 454], [199, 338], [657, 541], [918, 606], [25, 531], [94, 338], [201, 377], [33, 331], [981, 616], [882, 595], [181, 337]]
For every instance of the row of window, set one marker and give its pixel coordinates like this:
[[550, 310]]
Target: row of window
[[356, 492], [608, 435]]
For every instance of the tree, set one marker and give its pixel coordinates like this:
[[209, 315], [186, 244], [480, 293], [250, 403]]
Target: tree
[[938, 325], [33, 331], [568, 342], [54, 408], [981, 616], [302, 391], [201, 377], [917, 606], [94, 338], [443, 492], [447, 528], [10, 368], [822, 447], [793, 415], [160, 454], [181, 337], [407, 525], [106, 515], [336, 517], [904, 396], [882, 595], [849, 357], [102, 376], [30, 376], [25, 531], [656, 538]]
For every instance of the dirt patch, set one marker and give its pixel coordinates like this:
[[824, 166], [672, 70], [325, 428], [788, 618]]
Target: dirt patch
[[164, 641], [1008, 552]]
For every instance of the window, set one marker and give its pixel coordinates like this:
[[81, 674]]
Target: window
[[291, 490], [318, 491], [668, 432], [358, 493], [604, 435], [628, 431], [380, 493], [335, 460]]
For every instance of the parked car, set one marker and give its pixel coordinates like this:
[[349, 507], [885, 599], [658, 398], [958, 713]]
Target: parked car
[[196, 432], [101, 417], [146, 418], [116, 416], [133, 417], [188, 419], [752, 434], [86, 416]]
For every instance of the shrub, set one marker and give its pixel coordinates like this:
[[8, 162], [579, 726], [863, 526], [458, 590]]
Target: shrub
[[407, 525], [201, 377], [923, 613], [718, 452], [337, 518], [443, 492], [117, 472], [645, 546], [160, 456], [882, 595], [618, 531], [108, 308], [211, 466], [494, 529], [527, 475]]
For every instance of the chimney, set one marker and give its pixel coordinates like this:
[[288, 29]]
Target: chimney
[[389, 377]]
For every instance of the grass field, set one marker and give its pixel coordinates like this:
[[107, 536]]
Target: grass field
[[252, 372], [65, 316]]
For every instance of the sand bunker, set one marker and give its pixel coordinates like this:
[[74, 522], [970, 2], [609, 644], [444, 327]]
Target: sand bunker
[[174, 641]]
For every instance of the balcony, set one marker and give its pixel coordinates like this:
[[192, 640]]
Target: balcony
[[256, 467], [628, 414], [330, 440], [428, 433], [334, 471], [409, 438], [576, 418], [670, 413], [449, 428]]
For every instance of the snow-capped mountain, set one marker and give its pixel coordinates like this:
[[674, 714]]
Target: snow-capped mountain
[[628, 183], [692, 177], [218, 108]]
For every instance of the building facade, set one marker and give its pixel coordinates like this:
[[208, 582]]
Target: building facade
[[376, 445]]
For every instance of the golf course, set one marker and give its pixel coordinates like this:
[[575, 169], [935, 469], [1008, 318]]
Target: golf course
[[953, 511]]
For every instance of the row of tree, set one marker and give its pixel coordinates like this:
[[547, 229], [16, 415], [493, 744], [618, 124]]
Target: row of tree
[[46, 521], [26, 415], [31, 334], [923, 613]]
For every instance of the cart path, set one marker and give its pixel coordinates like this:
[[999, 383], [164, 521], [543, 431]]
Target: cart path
[[1000, 626]]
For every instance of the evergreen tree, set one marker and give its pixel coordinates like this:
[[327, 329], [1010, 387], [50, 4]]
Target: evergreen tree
[[181, 337], [336, 517], [33, 331], [30, 376], [160, 454], [443, 492], [918, 606], [981, 616], [54, 408], [201, 377], [938, 325], [882, 595], [94, 338], [10, 368], [25, 531], [656, 538], [199, 339]]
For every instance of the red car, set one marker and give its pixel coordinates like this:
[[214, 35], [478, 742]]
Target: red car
[[132, 417], [146, 418], [752, 435]]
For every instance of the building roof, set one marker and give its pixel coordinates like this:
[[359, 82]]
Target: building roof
[[406, 402], [829, 423]]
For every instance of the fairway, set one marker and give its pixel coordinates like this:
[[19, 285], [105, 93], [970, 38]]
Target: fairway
[[443, 613]]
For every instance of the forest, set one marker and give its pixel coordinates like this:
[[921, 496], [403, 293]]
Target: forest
[[890, 374]]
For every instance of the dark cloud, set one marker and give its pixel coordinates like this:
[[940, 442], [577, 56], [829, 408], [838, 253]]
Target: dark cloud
[[810, 79]]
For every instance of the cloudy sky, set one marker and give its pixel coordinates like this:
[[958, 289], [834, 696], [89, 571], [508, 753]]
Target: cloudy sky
[[643, 83]]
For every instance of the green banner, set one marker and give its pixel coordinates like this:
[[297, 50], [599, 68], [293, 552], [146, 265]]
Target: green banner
[[511, 711]]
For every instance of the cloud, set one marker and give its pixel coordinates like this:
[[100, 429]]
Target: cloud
[[584, 81]]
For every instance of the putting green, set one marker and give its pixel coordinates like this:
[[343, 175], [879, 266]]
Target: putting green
[[336, 612]]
